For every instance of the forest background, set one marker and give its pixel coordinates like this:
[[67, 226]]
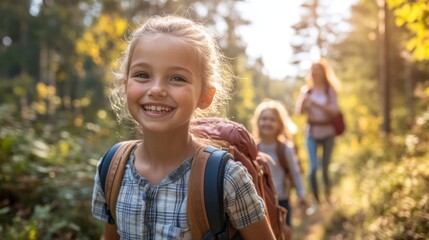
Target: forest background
[[56, 60]]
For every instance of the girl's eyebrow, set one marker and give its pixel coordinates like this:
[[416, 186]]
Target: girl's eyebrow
[[139, 64], [174, 68], [184, 69]]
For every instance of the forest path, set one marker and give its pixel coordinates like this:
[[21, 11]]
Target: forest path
[[311, 226]]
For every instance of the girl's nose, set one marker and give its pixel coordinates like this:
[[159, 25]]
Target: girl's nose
[[157, 90]]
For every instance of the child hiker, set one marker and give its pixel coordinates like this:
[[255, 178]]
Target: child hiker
[[171, 71], [272, 128]]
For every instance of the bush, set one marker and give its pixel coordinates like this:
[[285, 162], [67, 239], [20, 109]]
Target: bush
[[46, 178], [386, 197]]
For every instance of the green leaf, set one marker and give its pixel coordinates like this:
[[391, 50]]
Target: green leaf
[[4, 210], [58, 225]]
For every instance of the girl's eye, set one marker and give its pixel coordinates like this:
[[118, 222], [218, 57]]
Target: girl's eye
[[142, 75], [178, 79]]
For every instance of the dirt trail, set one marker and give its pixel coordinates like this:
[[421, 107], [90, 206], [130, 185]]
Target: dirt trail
[[311, 227]]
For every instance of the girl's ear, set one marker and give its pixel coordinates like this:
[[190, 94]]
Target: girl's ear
[[206, 98]]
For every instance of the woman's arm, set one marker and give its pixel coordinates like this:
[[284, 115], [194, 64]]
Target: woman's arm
[[258, 230], [303, 103], [110, 232]]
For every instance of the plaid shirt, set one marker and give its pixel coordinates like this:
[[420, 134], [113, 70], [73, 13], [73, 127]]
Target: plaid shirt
[[160, 212]]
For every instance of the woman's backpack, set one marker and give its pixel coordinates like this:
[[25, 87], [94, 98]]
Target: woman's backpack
[[207, 171]]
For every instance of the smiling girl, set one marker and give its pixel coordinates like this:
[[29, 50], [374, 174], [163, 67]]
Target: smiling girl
[[171, 71], [273, 129]]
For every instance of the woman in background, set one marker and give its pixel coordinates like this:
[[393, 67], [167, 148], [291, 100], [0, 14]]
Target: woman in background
[[318, 101]]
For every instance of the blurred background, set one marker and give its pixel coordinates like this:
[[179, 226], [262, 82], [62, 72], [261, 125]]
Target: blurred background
[[56, 60]]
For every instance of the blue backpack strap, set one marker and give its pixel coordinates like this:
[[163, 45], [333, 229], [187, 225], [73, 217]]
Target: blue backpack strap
[[213, 192], [103, 168], [112, 169]]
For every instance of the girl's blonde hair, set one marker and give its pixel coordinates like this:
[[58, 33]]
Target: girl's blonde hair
[[215, 71], [328, 72], [287, 126]]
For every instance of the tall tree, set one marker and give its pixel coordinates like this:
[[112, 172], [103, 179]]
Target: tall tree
[[358, 66], [414, 17], [317, 29], [383, 36]]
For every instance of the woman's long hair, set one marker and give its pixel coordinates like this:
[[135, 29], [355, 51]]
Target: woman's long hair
[[329, 75]]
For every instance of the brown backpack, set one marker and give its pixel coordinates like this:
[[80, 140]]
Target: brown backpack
[[208, 223], [280, 151]]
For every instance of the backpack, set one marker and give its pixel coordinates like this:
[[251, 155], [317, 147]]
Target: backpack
[[207, 171]]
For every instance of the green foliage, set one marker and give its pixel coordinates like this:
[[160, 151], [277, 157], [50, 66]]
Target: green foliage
[[383, 191], [242, 105], [414, 15], [46, 178]]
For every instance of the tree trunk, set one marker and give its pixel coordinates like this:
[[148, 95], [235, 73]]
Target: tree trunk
[[384, 64], [409, 87]]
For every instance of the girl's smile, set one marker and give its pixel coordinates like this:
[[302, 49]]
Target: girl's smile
[[156, 110]]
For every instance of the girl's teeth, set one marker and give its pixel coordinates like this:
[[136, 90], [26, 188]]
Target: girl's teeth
[[157, 108]]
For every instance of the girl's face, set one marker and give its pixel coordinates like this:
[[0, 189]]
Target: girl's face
[[269, 124], [164, 84], [317, 73]]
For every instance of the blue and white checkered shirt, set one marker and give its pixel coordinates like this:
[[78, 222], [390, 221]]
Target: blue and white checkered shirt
[[160, 212]]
